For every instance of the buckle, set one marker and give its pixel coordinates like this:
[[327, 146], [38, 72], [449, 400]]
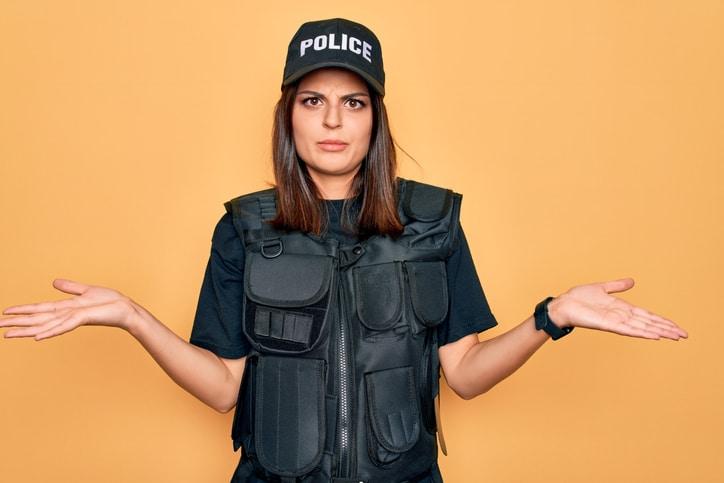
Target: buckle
[[271, 242]]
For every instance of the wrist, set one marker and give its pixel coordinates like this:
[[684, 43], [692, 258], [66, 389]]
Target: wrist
[[133, 320], [557, 312]]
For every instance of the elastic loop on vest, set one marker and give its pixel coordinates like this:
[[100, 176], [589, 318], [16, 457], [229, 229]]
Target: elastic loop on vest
[[271, 243]]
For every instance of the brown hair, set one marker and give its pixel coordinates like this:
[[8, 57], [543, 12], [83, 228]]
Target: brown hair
[[374, 187]]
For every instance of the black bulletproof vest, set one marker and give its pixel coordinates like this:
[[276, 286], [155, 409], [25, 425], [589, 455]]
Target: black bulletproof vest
[[340, 383]]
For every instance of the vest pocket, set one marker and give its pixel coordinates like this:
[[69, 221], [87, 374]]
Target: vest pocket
[[393, 414], [428, 290], [289, 427], [378, 295], [243, 412], [286, 300]]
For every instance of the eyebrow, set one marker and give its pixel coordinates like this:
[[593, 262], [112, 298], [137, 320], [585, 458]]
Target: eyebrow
[[344, 97]]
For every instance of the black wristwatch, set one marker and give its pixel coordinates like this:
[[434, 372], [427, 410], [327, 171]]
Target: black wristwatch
[[543, 322]]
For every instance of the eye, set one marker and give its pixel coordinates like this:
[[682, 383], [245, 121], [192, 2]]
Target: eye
[[314, 98], [357, 104]]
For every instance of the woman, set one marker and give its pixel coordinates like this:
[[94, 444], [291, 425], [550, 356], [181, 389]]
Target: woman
[[331, 300]]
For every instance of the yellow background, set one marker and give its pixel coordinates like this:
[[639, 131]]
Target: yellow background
[[587, 138]]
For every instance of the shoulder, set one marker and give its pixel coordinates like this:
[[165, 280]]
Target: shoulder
[[225, 234], [426, 202], [235, 203], [413, 184]]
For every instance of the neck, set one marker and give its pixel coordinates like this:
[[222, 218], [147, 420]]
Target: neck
[[333, 187]]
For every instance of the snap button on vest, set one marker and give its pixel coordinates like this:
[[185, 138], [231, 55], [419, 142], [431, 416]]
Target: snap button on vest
[[350, 256], [341, 380]]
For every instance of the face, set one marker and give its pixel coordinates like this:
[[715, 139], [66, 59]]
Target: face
[[332, 105]]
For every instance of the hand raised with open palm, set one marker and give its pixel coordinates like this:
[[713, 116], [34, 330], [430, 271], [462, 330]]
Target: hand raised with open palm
[[90, 305], [592, 306]]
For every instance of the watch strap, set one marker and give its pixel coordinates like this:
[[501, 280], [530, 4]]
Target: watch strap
[[542, 321]]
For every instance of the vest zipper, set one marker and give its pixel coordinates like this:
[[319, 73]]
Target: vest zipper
[[344, 439]]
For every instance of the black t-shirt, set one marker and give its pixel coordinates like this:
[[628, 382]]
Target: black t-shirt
[[217, 324]]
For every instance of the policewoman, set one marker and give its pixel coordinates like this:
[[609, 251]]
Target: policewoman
[[355, 285], [332, 300]]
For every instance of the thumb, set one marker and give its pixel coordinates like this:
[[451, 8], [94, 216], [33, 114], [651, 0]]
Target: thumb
[[618, 285], [69, 286]]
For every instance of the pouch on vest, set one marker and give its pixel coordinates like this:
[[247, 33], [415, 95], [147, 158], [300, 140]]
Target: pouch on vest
[[244, 410], [429, 211], [379, 298], [286, 300], [290, 414], [393, 414], [429, 375], [428, 290]]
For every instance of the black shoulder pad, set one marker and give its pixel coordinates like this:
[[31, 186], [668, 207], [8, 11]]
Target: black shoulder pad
[[227, 205], [242, 198], [426, 202]]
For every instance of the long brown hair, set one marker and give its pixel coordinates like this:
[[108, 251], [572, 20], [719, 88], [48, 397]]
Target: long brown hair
[[374, 187]]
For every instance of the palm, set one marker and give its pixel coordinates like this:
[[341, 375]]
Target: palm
[[593, 307], [95, 295], [90, 305]]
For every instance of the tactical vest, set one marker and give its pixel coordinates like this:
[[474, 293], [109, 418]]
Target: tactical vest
[[340, 383]]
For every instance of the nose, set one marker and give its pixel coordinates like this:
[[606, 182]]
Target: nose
[[332, 117]]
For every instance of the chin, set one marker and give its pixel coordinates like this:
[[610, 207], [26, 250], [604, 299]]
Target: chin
[[332, 169]]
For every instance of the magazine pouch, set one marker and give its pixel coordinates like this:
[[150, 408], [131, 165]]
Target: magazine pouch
[[289, 425]]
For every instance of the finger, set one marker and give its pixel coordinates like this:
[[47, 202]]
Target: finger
[[646, 324], [62, 284], [32, 331], [70, 286], [66, 325], [671, 329], [673, 332], [632, 331], [651, 315], [40, 307], [618, 285], [653, 319], [28, 320], [630, 325], [659, 319]]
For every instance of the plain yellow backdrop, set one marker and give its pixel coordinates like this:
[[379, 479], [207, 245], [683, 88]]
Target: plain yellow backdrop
[[587, 138]]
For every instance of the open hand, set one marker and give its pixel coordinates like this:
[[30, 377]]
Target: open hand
[[591, 306], [91, 305]]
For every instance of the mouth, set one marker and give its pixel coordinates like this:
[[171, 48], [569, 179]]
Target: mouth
[[332, 145]]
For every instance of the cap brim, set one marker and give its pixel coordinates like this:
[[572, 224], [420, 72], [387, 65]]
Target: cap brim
[[307, 69]]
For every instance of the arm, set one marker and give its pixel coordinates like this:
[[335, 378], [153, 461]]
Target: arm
[[202, 371], [471, 368], [212, 379]]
